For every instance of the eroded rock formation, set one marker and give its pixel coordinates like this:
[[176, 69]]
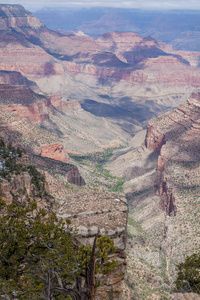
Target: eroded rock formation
[[8, 189], [162, 189], [178, 168], [25, 103], [55, 151], [154, 139], [74, 177], [101, 213]]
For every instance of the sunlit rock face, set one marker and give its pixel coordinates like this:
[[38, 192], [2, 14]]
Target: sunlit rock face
[[55, 151]]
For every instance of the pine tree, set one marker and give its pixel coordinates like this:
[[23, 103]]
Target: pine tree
[[188, 279]]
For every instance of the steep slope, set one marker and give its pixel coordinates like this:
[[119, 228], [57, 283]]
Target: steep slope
[[162, 188], [178, 165]]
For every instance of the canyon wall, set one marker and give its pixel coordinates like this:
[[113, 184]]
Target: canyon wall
[[109, 70], [98, 213], [161, 168], [178, 170]]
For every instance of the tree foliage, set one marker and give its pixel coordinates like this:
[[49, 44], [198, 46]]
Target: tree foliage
[[34, 249], [38, 259], [188, 279], [9, 155]]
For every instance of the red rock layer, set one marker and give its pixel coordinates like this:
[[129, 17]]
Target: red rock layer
[[37, 52], [55, 151], [24, 102], [63, 104]]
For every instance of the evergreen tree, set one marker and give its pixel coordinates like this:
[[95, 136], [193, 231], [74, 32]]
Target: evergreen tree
[[38, 259], [188, 279]]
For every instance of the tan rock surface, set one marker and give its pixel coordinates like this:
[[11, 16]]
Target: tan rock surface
[[93, 213]]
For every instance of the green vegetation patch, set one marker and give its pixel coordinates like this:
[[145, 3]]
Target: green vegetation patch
[[101, 176]]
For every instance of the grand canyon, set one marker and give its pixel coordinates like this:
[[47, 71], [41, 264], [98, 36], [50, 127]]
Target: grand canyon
[[112, 119]]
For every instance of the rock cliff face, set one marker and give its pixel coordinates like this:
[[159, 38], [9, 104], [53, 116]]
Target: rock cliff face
[[154, 139], [10, 188], [93, 213], [18, 186], [178, 171], [74, 177], [15, 16], [24, 102], [16, 78], [162, 188], [56, 152]]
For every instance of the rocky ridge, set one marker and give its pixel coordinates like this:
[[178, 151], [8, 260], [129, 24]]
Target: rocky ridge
[[106, 213], [178, 166], [55, 151], [162, 188]]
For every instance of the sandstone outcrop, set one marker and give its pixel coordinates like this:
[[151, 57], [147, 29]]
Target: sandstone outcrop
[[63, 104], [55, 151]]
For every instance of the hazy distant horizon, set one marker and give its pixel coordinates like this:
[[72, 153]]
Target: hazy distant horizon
[[143, 4]]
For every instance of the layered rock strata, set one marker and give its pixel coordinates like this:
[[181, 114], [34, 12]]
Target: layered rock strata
[[162, 188], [25, 103], [178, 168], [99, 213], [116, 66]]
